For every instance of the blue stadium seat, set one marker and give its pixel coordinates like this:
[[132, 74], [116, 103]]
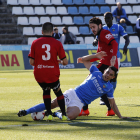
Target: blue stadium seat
[[105, 9], [94, 10], [78, 20], [78, 2], [84, 30], [83, 10], [86, 19], [129, 29], [89, 1], [73, 10], [100, 1], [67, 2]]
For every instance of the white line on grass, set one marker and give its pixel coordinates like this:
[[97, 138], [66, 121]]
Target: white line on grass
[[52, 123]]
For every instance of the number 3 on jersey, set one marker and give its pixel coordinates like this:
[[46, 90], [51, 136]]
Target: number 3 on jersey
[[47, 52]]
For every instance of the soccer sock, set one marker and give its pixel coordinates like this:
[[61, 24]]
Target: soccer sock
[[61, 102], [104, 98], [36, 108], [47, 101], [85, 107]]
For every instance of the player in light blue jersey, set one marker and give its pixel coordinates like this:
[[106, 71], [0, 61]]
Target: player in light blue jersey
[[96, 85]]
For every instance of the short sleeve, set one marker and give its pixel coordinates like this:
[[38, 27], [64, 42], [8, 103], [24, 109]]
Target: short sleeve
[[122, 32], [93, 68], [32, 51], [61, 52], [110, 94]]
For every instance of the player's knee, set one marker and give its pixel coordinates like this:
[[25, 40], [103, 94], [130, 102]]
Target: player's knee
[[71, 116]]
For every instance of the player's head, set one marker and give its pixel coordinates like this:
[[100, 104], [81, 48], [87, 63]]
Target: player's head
[[108, 18], [47, 28], [110, 73], [95, 25], [118, 5]]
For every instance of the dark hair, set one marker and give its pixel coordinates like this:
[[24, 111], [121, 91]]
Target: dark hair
[[66, 29], [114, 69], [95, 20], [47, 27], [108, 14]]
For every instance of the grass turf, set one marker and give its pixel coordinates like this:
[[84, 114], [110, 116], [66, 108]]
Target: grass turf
[[19, 90]]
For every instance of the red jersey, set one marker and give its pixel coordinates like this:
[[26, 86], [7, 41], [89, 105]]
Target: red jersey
[[44, 51], [105, 44]]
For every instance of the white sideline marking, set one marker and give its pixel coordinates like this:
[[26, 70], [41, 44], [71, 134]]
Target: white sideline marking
[[67, 123]]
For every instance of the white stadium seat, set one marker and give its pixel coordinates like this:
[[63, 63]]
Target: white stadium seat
[[60, 29], [38, 30], [57, 2], [114, 20], [113, 8], [56, 20], [132, 19], [128, 9], [80, 39], [28, 10], [138, 0], [45, 2], [12, 2], [73, 29], [67, 20], [44, 19], [50, 10], [61, 10], [136, 9], [121, 1], [22, 21], [110, 1], [17, 10], [134, 39], [102, 18], [34, 2], [28, 31], [89, 40], [132, 1], [23, 2], [39, 10], [31, 39], [122, 40], [34, 20]]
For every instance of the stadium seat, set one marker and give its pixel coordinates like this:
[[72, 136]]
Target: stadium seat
[[23, 2], [22, 21], [136, 9], [132, 19], [73, 29], [83, 10], [62, 10], [84, 30], [12, 2], [28, 10], [80, 39], [110, 1], [138, 1], [86, 19], [44, 19], [67, 2], [102, 18], [89, 40], [132, 1], [128, 9], [40, 11], [122, 40], [134, 39], [122, 1], [105, 9], [38, 30], [57, 2], [94, 10], [51, 10], [45, 2], [73, 10], [113, 8], [28, 31], [89, 1], [129, 29], [78, 20], [34, 20], [67, 20], [78, 2], [100, 1], [34, 2], [56, 20], [60, 29], [114, 20], [31, 39], [17, 11]]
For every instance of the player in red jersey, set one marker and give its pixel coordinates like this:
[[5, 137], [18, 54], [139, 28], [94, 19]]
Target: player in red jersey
[[43, 56], [108, 44]]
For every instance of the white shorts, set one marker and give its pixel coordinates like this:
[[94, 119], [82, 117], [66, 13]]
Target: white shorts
[[71, 99]]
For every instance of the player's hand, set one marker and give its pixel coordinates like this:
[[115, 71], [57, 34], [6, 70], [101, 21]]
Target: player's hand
[[113, 60], [95, 42], [125, 50], [60, 61], [101, 54], [79, 60]]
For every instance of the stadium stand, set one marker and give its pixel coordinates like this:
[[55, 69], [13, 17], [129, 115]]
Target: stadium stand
[[24, 17]]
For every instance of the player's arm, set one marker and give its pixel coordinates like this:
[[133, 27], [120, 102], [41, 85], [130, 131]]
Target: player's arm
[[32, 61], [115, 108], [86, 59], [127, 41], [63, 61]]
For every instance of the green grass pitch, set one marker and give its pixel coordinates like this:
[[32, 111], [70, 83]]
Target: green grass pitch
[[19, 90]]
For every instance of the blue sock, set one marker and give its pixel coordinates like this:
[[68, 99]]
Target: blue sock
[[58, 114], [114, 84], [36, 108]]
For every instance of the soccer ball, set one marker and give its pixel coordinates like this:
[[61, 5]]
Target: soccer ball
[[37, 116]]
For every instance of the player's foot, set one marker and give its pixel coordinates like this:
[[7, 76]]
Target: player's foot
[[21, 113], [110, 113], [84, 113], [102, 102], [64, 118], [49, 118]]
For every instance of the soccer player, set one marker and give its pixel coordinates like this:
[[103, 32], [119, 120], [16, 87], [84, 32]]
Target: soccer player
[[43, 56], [96, 85], [107, 43]]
